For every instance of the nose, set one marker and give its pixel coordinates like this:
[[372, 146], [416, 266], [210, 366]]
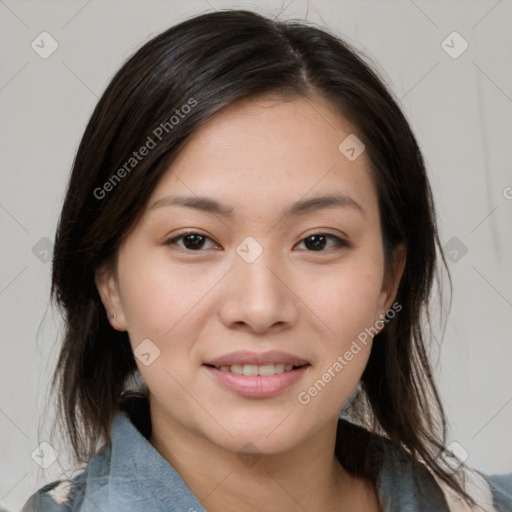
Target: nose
[[257, 298]]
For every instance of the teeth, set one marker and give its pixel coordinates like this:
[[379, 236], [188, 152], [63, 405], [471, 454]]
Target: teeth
[[279, 368], [238, 369], [266, 370], [250, 369], [269, 369]]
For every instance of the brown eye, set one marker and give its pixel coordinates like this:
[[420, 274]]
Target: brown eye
[[318, 241], [192, 241]]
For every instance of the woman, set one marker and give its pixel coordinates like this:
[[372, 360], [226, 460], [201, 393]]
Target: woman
[[247, 246]]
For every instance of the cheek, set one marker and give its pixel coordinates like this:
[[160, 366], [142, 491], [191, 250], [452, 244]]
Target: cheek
[[347, 299], [347, 307], [159, 303], [346, 302], [158, 296]]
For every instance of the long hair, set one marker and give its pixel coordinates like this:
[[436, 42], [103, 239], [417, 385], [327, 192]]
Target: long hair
[[206, 63]]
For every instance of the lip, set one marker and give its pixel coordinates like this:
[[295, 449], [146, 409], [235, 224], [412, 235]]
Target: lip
[[259, 358], [257, 386]]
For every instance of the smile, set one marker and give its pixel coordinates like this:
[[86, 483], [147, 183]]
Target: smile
[[265, 370], [253, 375]]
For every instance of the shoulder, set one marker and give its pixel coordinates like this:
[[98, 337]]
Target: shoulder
[[404, 483], [57, 496], [501, 490], [67, 495], [401, 481]]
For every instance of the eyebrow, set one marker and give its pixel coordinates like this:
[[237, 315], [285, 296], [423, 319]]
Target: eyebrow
[[301, 207]]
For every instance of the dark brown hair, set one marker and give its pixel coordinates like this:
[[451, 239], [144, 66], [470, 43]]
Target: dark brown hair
[[212, 61]]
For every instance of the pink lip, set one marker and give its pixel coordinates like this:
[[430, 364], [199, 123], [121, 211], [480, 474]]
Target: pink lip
[[259, 358], [257, 386]]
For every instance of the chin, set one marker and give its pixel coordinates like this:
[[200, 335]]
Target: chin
[[270, 433]]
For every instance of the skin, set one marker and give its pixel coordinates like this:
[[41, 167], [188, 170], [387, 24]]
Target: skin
[[258, 157]]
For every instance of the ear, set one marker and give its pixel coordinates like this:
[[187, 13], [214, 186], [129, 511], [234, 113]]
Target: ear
[[391, 283], [108, 289]]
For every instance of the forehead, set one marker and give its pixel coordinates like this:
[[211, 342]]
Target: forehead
[[269, 151]]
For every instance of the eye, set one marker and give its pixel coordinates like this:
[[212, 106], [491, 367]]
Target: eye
[[318, 241], [192, 241]]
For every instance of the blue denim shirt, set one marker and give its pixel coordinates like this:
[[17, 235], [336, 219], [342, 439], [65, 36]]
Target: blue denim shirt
[[129, 475]]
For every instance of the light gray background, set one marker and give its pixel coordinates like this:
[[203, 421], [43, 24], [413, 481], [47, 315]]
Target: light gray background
[[460, 109]]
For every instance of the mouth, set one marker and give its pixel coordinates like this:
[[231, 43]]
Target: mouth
[[257, 375], [264, 370]]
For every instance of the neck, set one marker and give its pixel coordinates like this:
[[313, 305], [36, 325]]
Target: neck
[[307, 477]]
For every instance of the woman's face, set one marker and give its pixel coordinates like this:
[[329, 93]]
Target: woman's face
[[285, 267]]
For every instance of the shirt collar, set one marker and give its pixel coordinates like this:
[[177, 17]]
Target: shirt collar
[[137, 468], [138, 472]]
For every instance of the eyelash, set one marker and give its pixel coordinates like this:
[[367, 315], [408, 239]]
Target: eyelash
[[339, 242]]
